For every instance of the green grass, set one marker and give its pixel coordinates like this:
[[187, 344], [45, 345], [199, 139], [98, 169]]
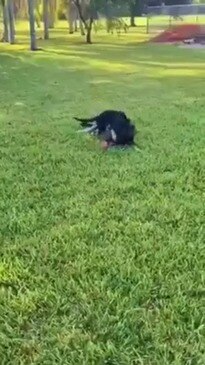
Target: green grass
[[102, 254], [157, 24]]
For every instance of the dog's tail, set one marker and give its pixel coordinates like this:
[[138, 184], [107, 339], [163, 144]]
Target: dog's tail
[[91, 129], [85, 121]]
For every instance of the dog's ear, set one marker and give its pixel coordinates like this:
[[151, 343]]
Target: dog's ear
[[124, 116]]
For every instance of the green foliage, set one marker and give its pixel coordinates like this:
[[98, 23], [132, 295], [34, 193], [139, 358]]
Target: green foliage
[[102, 253], [116, 24]]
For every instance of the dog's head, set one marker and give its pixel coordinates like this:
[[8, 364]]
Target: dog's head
[[121, 135]]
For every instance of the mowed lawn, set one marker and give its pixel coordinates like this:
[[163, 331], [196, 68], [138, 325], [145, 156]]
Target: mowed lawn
[[102, 253]]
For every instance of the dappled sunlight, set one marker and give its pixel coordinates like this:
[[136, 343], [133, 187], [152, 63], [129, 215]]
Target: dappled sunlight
[[172, 64], [100, 81], [109, 65], [70, 51], [15, 48], [60, 35], [182, 72], [83, 60], [126, 54]]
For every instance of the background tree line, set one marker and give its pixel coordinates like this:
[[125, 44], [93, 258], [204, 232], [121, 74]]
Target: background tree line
[[80, 14]]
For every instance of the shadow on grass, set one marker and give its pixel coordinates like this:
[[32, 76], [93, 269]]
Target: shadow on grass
[[110, 56]]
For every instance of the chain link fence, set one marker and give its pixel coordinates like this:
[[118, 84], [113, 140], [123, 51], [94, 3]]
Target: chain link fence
[[160, 18], [156, 19]]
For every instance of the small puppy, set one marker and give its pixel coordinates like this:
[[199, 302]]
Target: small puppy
[[111, 126]]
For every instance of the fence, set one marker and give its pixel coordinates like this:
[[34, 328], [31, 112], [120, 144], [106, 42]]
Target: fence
[[162, 17]]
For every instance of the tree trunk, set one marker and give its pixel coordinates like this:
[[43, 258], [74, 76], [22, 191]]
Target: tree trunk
[[132, 21], [81, 7], [81, 28], [70, 16], [132, 13], [23, 9], [38, 13], [10, 6], [88, 36], [89, 30], [136, 9], [5, 37], [46, 18], [33, 44], [52, 13]]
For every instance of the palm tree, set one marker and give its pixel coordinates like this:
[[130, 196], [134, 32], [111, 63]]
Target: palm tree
[[8, 21], [32, 25], [10, 6], [52, 12], [46, 18], [5, 37]]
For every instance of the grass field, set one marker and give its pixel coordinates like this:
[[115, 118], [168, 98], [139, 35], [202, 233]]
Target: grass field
[[102, 254]]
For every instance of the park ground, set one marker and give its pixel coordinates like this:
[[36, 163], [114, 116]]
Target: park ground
[[102, 254]]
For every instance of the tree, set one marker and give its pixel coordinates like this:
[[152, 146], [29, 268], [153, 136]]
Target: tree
[[21, 8], [5, 37], [33, 44], [132, 4], [46, 18], [71, 15], [136, 9], [87, 13], [52, 12], [10, 6], [38, 13], [8, 21]]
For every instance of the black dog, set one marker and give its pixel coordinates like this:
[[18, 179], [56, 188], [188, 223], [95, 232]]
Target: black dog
[[112, 126]]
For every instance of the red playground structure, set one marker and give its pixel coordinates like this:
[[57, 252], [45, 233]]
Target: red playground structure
[[181, 33]]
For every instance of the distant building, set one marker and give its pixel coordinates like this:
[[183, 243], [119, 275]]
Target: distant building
[[178, 2], [168, 2]]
